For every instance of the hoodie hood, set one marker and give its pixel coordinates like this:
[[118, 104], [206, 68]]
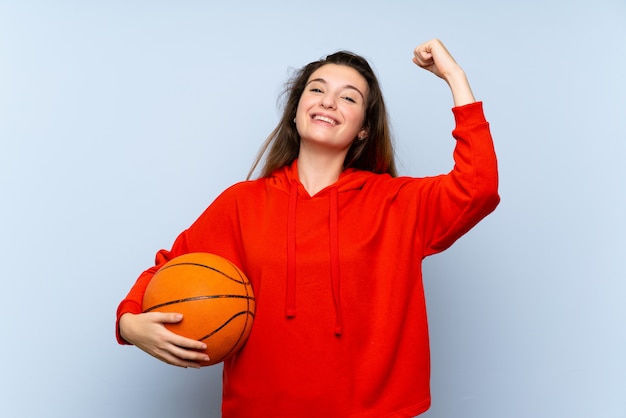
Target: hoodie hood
[[287, 180], [349, 179]]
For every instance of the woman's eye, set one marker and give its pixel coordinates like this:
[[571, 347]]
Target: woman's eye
[[316, 90], [349, 99]]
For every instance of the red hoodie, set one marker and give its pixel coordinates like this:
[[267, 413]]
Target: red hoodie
[[340, 327]]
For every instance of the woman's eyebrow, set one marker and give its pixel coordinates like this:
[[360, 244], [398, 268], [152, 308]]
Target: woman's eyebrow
[[347, 86]]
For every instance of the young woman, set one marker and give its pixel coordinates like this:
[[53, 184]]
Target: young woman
[[333, 243]]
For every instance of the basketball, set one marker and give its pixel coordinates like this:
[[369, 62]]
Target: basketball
[[213, 295]]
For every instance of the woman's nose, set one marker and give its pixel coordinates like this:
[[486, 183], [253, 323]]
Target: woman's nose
[[328, 102]]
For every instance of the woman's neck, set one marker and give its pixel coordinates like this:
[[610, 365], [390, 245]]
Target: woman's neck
[[317, 172]]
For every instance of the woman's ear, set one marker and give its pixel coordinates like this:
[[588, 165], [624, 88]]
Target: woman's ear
[[362, 134]]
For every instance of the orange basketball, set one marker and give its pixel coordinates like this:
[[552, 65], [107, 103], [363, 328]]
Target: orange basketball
[[213, 295]]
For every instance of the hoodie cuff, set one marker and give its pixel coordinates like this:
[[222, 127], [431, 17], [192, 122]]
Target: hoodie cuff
[[127, 306], [469, 115]]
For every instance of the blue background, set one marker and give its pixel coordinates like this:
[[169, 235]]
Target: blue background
[[120, 121]]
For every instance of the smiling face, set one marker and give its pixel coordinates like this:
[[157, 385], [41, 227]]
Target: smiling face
[[331, 110]]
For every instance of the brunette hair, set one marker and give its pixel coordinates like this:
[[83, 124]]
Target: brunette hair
[[375, 153]]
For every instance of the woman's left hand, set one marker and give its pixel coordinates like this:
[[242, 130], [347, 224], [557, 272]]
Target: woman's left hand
[[434, 57]]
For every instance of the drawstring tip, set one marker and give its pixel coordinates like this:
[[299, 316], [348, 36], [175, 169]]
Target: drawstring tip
[[338, 330]]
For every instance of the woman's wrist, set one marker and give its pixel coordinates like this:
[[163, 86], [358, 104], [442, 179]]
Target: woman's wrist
[[459, 85], [123, 326]]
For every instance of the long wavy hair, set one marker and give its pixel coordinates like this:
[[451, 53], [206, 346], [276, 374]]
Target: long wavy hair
[[375, 153]]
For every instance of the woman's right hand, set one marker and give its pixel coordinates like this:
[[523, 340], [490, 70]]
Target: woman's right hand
[[148, 332]]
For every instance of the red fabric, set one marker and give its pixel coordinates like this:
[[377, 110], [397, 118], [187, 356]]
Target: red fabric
[[340, 327]]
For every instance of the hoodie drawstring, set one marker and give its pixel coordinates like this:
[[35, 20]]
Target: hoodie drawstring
[[334, 259], [290, 306]]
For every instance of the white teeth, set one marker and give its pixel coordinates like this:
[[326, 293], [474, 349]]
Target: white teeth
[[325, 119]]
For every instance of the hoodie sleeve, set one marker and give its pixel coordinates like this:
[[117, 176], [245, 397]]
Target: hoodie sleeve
[[457, 201], [215, 231]]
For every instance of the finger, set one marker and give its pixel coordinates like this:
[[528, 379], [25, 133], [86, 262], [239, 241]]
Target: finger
[[189, 355], [421, 63], [171, 338], [185, 348], [423, 52], [166, 317], [176, 360], [177, 356], [187, 343], [423, 56]]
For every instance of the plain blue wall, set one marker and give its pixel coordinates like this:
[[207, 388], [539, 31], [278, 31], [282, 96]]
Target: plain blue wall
[[120, 121]]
